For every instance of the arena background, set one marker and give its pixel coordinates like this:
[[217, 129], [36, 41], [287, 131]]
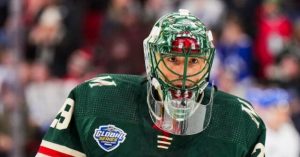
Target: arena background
[[47, 47]]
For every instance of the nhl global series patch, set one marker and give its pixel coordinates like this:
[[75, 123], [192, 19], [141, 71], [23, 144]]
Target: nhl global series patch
[[109, 137]]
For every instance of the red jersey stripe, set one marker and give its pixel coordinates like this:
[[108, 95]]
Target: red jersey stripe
[[51, 152]]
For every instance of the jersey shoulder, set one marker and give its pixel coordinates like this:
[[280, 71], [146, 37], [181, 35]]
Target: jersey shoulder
[[114, 80], [108, 85], [236, 107], [108, 95], [234, 120]]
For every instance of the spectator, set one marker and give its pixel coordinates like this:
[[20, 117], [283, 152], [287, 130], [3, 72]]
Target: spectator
[[51, 40], [274, 33], [235, 51], [78, 69], [122, 30], [11, 107], [42, 96], [272, 104]]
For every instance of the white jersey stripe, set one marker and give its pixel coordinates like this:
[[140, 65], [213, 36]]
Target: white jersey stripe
[[162, 147], [164, 137], [62, 149], [163, 142]]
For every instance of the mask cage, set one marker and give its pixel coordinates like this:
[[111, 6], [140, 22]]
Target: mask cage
[[206, 54]]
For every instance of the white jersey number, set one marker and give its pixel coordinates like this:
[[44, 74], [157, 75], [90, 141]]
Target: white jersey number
[[64, 115], [101, 81], [250, 111], [259, 147]]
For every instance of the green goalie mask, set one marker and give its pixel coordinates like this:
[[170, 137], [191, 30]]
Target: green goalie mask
[[178, 55]]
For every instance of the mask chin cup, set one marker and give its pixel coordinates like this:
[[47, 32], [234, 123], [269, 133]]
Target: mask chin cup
[[184, 116]]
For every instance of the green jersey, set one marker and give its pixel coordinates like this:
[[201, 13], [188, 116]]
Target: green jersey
[[108, 116]]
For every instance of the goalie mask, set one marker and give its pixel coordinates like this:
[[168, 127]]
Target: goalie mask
[[178, 55]]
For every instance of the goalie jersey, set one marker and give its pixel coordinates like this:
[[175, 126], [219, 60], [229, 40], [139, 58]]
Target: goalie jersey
[[108, 116]]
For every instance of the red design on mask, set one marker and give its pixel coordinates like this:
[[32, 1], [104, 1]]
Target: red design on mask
[[184, 44]]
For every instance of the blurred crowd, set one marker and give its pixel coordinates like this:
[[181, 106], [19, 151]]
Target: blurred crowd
[[64, 42]]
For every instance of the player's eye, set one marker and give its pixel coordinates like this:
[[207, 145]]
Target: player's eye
[[172, 59], [194, 60]]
